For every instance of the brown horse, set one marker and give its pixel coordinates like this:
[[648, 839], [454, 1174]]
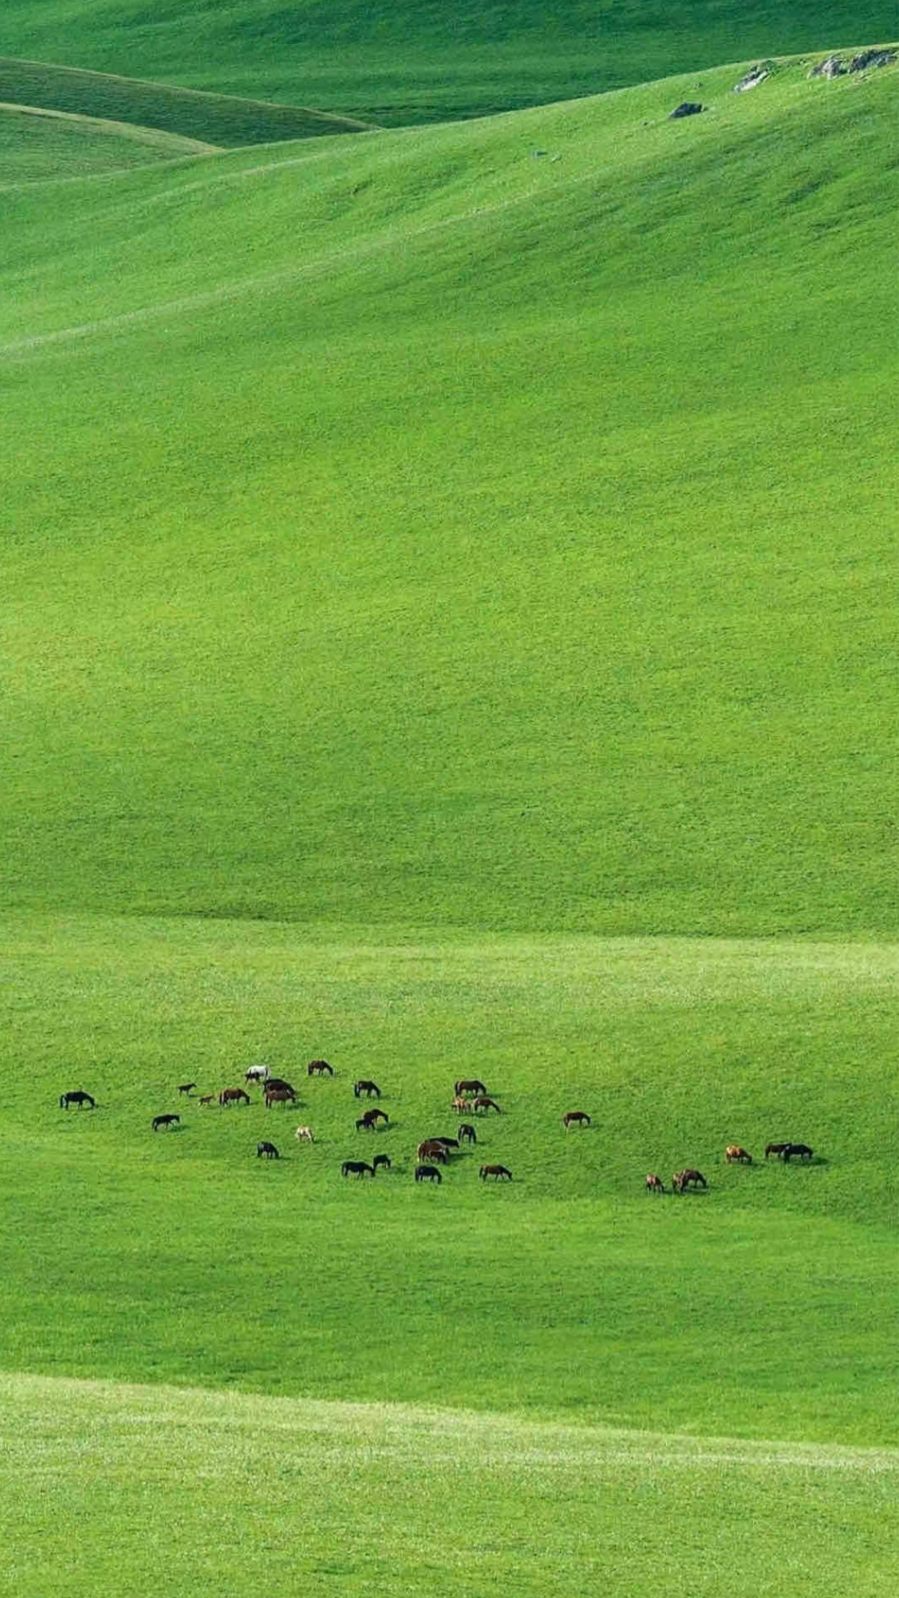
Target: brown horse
[[461, 1105], [483, 1103], [447, 1142], [500, 1173], [682, 1180], [467, 1133], [356, 1168], [430, 1149], [775, 1148], [83, 1100], [734, 1154], [474, 1086], [576, 1118], [366, 1087], [279, 1096], [165, 1120], [654, 1184], [427, 1173], [319, 1068], [187, 1087], [371, 1118], [233, 1096], [208, 1098], [277, 1084]]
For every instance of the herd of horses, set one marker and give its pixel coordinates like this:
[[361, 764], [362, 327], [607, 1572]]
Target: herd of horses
[[470, 1096]]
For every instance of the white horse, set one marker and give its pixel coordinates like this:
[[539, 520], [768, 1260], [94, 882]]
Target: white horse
[[257, 1073], [303, 1134]]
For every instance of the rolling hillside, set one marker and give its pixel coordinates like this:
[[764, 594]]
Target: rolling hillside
[[412, 60]]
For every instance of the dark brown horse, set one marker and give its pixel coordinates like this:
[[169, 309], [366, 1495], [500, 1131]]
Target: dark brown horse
[[165, 1120], [370, 1089], [79, 1098], [430, 1149], [187, 1087], [483, 1103], [500, 1173], [267, 1151], [463, 1087], [277, 1084], [654, 1184], [283, 1095], [427, 1173], [447, 1142], [798, 1151], [735, 1155], [356, 1168], [576, 1118], [467, 1133], [775, 1148], [682, 1180], [319, 1068], [371, 1118], [233, 1096]]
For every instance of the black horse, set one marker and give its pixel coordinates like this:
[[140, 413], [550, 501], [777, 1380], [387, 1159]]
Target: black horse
[[267, 1151], [165, 1120], [366, 1087], [356, 1168], [381, 1162], [467, 1133], [81, 1099], [799, 1151], [427, 1173]]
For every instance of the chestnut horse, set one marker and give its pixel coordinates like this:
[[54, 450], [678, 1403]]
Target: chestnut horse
[[500, 1172], [654, 1184], [319, 1068], [279, 1096], [682, 1180], [430, 1149], [735, 1154], [576, 1118], [483, 1103], [233, 1096], [461, 1105]]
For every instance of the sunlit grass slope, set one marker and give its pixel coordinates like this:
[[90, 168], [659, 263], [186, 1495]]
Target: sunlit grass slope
[[218, 119], [487, 525], [412, 60], [36, 145], [762, 1308], [212, 1494]]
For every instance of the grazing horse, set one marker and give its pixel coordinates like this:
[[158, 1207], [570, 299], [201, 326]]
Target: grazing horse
[[427, 1173], [319, 1068], [257, 1073], [462, 1087], [83, 1100], [366, 1087], [165, 1120], [430, 1149], [654, 1184], [461, 1105], [303, 1134], [283, 1095], [187, 1087], [267, 1151], [682, 1180], [233, 1096], [208, 1098], [801, 1151], [381, 1161], [371, 1118], [500, 1172], [735, 1154], [775, 1148], [356, 1168], [467, 1133], [483, 1103], [447, 1142], [277, 1084], [576, 1118]]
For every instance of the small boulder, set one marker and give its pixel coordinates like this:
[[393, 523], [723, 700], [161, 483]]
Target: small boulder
[[687, 108], [871, 58], [751, 80], [833, 67]]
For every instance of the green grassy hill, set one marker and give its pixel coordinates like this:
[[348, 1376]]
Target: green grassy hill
[[451, 609], [37, 144], [412, 60]]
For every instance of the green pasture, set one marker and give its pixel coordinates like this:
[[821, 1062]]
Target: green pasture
[[402, 61], [213, 1493], [421, 528], [39, 146]]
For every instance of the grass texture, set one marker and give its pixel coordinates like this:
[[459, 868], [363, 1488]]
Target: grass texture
[[482, 550], [209, 1489], [401, 61], [38, 145], [216, 119]]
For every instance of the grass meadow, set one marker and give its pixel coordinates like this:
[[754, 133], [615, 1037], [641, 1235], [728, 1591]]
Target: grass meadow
[[448, 629]]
